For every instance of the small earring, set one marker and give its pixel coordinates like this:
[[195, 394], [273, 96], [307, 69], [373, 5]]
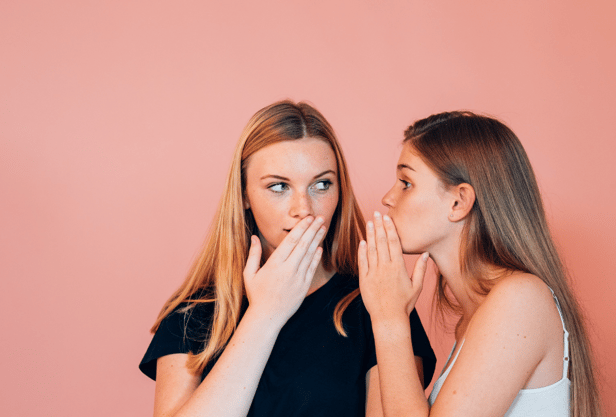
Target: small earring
[[451, 215]]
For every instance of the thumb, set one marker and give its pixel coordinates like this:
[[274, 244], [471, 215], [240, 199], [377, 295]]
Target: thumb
[[254, 258], [419, 271]]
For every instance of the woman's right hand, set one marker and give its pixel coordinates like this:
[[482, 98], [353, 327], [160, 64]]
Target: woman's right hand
[[277, 289]]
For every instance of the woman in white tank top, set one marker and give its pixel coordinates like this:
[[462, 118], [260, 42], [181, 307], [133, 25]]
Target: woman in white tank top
[[466, 197]]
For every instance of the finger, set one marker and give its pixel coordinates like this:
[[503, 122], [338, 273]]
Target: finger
[[362, 259], [393, 241], [312, 268], [419, 271], [254, 257], [382, 247], [289, 243], [307, 259], [305, 242], [371, 245]]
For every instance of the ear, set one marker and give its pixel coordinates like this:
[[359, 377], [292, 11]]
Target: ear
[[463, 201], [246, 202]]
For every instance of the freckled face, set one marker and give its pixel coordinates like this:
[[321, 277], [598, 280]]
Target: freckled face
[[287, 181], [419, 205]]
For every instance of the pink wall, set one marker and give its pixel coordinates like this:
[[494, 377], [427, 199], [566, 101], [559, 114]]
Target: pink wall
[[117, 122]]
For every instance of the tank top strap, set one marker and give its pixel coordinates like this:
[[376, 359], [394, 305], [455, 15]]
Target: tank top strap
[[455, 358], [458, 352], [449, 362], [565, 337]]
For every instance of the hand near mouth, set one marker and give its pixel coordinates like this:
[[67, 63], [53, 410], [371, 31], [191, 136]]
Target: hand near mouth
[[386, 288], [277, 289]]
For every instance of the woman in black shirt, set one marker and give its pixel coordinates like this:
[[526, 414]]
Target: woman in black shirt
[[268, 321]]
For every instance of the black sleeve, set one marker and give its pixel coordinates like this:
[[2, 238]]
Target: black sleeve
[[182, 331], [422, 348]]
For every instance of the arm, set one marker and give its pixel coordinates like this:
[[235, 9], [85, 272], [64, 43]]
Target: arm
[[229, 387], [390, 296], [400, 379], [374, 406], [275, 291], [373, 393]]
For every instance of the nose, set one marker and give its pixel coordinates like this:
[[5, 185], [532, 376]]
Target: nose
[[301, 205], [389, 198]]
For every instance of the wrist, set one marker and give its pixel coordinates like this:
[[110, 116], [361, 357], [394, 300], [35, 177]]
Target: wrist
[[393, 324], [266, 320]]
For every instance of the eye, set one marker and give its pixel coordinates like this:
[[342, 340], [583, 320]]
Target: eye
[[279, 187], [322, 185], [405, 184]]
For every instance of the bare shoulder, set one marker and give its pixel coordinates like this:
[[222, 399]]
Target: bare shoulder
[[522, 304], [521, 285], [519, 289]]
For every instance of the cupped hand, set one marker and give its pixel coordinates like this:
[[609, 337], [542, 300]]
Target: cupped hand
[[277, 289], [386, 289]]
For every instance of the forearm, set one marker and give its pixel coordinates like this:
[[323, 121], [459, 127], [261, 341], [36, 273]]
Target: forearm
[[229, 388], [402, 393]]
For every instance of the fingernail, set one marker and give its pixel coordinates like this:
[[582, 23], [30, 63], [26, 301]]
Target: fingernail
[[377, 214], [309, 219], [424, 257], [320, 219], [387, 218], [370, 225], [362, 243]]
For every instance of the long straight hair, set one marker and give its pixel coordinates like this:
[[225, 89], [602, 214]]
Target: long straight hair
[[217, 273], [507, 225]]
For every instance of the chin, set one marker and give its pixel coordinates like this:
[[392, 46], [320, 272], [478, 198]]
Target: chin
[[411, 250]]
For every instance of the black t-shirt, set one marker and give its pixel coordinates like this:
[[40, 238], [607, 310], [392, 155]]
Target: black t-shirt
[[312, 370]]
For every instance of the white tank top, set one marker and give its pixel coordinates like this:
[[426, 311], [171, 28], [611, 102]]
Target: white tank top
[[550, 401]]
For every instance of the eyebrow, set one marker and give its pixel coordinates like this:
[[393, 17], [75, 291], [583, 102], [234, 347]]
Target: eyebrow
[[402, 166], [280, 177]]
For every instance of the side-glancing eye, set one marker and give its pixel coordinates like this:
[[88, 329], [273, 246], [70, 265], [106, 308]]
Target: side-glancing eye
[[405, 184], [322, 185], [278, 187]]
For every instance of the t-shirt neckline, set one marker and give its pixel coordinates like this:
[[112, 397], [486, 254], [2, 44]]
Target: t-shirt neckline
[[322, 287]]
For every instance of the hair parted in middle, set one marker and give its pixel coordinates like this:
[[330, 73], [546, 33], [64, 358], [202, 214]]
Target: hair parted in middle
[[217, 273]]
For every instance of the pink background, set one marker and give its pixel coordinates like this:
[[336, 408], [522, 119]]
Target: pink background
[[118, 119]]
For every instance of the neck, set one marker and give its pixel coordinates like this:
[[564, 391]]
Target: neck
[[446, 256], [461, 284], [321, 277], [457, 282]]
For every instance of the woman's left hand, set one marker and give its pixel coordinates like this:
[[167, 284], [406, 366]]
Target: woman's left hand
[[386, 289]]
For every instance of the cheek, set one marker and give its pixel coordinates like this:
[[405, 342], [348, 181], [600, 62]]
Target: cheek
[[403, 211], [263, 203], [326, 206], [409, 216], [264, 212]]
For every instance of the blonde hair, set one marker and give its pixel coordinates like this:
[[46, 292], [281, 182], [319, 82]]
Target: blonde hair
[[507, 226], [216, 275]]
